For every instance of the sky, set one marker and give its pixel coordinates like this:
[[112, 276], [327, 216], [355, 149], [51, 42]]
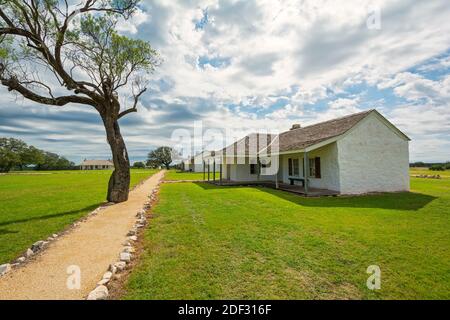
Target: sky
[[247, 65]]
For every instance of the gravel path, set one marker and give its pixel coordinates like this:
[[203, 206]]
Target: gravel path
[[93, 246]]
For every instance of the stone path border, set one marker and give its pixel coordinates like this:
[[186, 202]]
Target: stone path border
[[93, 244]]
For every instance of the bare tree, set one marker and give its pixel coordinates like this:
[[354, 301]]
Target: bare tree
[[56, 52]]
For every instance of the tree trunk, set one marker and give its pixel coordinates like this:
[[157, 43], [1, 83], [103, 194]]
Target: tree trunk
[[119, 182]]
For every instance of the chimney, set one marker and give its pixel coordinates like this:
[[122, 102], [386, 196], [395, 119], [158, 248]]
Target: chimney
[[296, 126]]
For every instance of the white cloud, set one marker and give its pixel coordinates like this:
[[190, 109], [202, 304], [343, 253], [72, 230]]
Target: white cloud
[[414, 87], [132, 24], [312, 44], [299, 51]]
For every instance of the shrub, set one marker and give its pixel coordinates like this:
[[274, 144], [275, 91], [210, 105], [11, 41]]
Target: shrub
[[437, 167]]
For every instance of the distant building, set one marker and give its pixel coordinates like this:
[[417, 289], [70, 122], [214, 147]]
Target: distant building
[[96, 165], [196, 163]]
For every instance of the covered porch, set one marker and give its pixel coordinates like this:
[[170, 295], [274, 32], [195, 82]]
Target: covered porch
[[298, 172], [297, 189]]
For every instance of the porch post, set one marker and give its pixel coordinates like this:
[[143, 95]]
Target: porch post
[[220, 168], [306, 174], [276, 181], [258, 168], [204, 169], [214, 170], [209, 169], [278, 170]]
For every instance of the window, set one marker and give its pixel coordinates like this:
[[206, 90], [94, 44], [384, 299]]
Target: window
[[314, 168], [294, 167], [252, 168]]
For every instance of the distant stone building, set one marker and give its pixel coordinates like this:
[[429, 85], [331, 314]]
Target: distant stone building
[[97, 165]]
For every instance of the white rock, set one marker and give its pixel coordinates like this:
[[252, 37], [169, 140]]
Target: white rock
[[120, 265], [99, 293], [139, 225], [131, 233], [103, 282], [132, 238], [21, 259], [4, 268], [37, 246], [29, 253], [54, 235], [50, 239], [112, 268], [107, 275], [129, 249], [125, 257]]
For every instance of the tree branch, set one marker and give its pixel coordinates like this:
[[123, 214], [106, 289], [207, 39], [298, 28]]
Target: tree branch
[[15, 85], [134, 108]]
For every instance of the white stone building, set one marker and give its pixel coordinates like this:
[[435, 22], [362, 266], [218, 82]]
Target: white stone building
[[198, 162], [356, 154], [96, 165]]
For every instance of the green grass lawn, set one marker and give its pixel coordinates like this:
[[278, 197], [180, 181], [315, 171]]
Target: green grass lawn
[[180, 175], [208, 242], [34, 206]]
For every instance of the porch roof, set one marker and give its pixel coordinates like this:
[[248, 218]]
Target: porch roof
[[301, 138], [295, 139], [243, 147]]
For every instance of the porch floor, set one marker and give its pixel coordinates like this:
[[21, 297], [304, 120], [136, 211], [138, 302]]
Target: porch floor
[[297, 189]]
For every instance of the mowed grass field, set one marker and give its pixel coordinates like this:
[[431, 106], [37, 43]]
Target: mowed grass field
[[208, 242], [35, 205]]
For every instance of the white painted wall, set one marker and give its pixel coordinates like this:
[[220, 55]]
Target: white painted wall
[[285, 166], [328, 163], [373, 158], [329, 168], [241, 172]]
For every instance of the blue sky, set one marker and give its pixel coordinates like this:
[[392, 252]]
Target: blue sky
[[247, 65]]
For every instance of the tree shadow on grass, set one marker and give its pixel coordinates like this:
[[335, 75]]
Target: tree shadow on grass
[[395, 201], [51, 216], [5, 231]]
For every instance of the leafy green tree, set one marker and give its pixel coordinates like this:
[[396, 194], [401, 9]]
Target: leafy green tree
[[31, 156], [437, 167], [52, 161], [85, 60], [139, 165], [161, 156], [11, 153]]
